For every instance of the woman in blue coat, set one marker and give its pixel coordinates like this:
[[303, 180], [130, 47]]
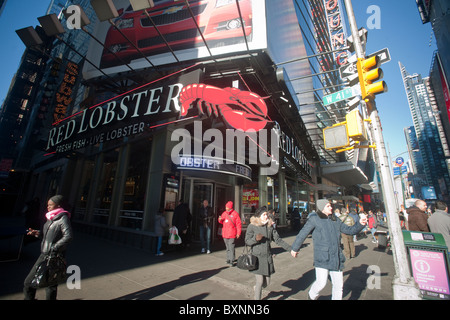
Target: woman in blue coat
[[328, 257]]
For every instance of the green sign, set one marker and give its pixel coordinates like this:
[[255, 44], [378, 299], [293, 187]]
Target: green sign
[[339, 96]]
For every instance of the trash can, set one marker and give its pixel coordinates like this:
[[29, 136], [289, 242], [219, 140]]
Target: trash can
[[428, 260]]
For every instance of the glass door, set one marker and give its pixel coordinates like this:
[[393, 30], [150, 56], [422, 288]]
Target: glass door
[[202, 191]]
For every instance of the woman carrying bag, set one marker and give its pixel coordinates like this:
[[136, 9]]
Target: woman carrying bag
[[260, 234], [55, 235]]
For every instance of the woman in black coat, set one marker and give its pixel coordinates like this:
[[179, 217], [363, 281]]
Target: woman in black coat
[[259, 235], [55, 235]]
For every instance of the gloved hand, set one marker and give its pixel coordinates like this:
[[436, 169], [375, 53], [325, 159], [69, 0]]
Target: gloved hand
[[259, 237]]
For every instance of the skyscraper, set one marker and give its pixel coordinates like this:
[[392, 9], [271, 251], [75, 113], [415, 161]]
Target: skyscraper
[[427, 133]]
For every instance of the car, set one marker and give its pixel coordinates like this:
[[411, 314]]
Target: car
[[218, 21]]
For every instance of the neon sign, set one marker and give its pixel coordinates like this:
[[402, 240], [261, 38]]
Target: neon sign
[[336, 29], [242, 110]]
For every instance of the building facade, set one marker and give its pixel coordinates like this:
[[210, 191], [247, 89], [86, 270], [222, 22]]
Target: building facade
[[197, 100], [427, 131]]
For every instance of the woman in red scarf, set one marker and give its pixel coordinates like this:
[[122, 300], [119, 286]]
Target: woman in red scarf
[[55, 235]]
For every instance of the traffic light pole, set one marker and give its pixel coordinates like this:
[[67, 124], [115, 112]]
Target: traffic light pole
[[404, 286]]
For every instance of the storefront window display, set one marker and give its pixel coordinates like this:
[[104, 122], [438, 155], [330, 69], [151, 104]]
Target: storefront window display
[[86, 182], [132, 211], [105, 190]]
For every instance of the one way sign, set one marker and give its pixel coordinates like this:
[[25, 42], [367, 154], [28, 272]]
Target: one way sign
[[348, 70]]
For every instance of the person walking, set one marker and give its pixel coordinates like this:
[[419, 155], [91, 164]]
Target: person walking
[[439, 222], [417, 217], [328, 257], [160, 230], [205, 217], [347, 240], [260, 233], [56, 234], [372, 224], [231, 230]]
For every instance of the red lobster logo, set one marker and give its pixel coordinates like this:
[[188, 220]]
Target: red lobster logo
[[243, 110]]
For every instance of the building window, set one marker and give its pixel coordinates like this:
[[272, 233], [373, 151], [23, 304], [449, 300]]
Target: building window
[[86, 182], [104, 193], [132, 211]]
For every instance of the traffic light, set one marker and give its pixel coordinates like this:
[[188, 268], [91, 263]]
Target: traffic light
[[368, 73], [336, 136], [355, 126]]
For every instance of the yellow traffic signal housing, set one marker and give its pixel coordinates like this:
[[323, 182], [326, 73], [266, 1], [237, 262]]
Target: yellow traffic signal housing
[[336, 136], [368, 72], [355, 126]]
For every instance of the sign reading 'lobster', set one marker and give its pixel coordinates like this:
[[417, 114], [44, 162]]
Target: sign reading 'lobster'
[[242, 110]]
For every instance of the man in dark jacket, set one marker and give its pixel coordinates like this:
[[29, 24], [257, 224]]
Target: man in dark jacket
[[417, 217], [181, 219], [205, 218], [328, 257]]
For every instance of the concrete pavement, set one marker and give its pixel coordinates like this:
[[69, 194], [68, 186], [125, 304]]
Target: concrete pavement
[[114, 271]]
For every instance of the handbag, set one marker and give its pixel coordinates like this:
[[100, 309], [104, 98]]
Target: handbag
[[247, 261], [50, 272]]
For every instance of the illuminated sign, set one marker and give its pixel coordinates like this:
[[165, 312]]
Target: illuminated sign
[[336, 30], [202, 163], [64, 94], [242, 110]]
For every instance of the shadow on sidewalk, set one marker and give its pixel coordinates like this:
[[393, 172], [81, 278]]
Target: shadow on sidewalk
[[153, 292]]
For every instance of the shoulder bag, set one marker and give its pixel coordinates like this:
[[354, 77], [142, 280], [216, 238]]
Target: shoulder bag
[[247, 261]]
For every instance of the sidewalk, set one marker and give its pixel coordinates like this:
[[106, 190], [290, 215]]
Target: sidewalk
[[114, 271]]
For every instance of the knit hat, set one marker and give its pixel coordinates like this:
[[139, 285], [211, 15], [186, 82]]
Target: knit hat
[[58, 200], [321, 203], [229, 205]]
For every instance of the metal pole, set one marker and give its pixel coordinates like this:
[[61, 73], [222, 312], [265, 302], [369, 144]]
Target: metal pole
[[404, 286]]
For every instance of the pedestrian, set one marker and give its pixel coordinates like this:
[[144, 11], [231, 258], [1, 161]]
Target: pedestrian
[[260, 233], [417, 217], [231, 230], [160, 230], [328, 257], [56, 234], [355, 217], [439, 222], [347, 239], [372, 224], [180, 220], [205, 217]]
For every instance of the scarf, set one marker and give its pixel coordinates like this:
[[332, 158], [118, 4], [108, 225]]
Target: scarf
[[52, 214]]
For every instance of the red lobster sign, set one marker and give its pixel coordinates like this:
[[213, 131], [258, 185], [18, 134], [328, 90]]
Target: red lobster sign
[[242, 110]]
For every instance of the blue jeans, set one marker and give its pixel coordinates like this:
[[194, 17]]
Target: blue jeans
[[206, 230]]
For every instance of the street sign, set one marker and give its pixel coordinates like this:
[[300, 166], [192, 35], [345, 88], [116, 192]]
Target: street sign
[[341, 95], [399, 161], [348, 70], [384, 55]]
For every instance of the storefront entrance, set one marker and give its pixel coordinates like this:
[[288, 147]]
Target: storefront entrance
[[195, 191]]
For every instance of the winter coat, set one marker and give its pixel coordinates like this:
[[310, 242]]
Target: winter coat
[[56, 234], [417, 220], [326, 234], [160, 225], [439, 222], [205, 216], [262, 248], [231, 224]]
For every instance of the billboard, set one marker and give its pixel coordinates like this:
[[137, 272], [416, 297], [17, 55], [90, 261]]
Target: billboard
[[175, 31]]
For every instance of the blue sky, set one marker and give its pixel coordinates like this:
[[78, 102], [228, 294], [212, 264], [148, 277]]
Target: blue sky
[[401, 31]]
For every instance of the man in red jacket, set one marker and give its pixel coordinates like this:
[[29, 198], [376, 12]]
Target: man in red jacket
[[231, 230]]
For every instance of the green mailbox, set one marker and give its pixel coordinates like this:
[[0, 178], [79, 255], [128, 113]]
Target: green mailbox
[[428, 260]]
